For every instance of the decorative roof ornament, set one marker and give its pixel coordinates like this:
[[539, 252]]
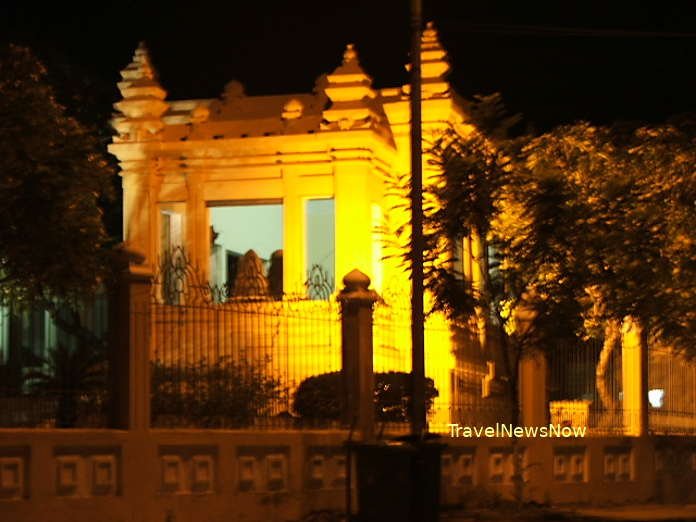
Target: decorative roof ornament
[[349, 89], [292, 109], [141, 67], [350, 55], [434, 66], [143, 99], [434, 62], [233, 89], [200, 114], [350, 75]]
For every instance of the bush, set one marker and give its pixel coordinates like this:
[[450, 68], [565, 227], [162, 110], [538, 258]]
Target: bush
[[220, 394], [318, 397]]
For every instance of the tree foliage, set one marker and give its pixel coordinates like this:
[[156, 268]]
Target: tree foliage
[[580, 228], [52, 174], [615, 207]]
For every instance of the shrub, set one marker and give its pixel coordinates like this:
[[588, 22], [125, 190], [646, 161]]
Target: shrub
[[318, 397], [220, 394]]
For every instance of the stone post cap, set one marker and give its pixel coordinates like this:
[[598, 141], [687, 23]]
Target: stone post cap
[[356, 288], [128, 255], [129, 261]]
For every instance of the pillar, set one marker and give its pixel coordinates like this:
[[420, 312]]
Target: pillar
[[129, 325], [634, 376], [532, 385], [357, 395], [197, 225]]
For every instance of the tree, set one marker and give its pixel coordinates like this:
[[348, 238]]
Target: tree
[[478, 195], [631, 239], [52, 174], [580, 229]]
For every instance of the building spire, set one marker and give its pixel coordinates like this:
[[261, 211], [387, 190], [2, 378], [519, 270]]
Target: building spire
[[143, 99], [349, 89], [434, 63], [141, 66], [350, 55], [350, 71]]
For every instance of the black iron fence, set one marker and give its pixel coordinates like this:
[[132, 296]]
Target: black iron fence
[[456, 379], [54, 366], [239, 364], [588, 381], [54, 408]]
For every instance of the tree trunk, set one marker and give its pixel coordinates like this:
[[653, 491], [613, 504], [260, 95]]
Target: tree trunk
[[612, 333]]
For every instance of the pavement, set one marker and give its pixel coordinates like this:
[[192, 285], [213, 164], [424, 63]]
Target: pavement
[[629, 513], [641, 512]]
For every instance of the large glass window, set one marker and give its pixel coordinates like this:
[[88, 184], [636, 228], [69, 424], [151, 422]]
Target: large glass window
[[247, 248], [320, 247], [171, 231]]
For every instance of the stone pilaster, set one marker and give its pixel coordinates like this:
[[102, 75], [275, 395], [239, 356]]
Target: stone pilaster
[[357, 398], [130, 346], [533, 395]]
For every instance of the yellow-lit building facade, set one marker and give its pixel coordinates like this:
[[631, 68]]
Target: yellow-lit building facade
[[300, 178]]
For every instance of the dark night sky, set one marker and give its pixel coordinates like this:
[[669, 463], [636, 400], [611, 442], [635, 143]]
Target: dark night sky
[[600, 61]]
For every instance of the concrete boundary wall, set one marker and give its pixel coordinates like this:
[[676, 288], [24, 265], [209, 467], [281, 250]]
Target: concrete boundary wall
[[199, 476], [612, 470], [168, 475]]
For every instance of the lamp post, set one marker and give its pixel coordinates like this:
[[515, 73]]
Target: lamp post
[[417, 316]]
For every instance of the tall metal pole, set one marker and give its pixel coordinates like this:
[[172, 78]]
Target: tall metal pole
[[417, 316]]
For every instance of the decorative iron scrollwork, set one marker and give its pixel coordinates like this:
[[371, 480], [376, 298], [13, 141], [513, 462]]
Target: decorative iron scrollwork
[[178, 280], [319, 284]]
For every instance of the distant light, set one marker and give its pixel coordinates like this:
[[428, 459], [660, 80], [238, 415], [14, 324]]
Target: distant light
[[656, 398]]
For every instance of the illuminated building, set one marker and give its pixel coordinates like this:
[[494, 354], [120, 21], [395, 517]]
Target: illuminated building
[[300, 179]]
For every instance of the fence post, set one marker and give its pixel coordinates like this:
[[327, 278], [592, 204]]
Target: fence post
[[129, 348], [357, 397], [634, 370]]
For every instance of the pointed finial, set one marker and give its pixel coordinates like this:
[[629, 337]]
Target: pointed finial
[[143, 99], [434, 64], [142, 57], [356, 289], [350, 54], [430, 34], [348, 82], [233, 89], [356, 280], [140, 67], [292, 109]]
